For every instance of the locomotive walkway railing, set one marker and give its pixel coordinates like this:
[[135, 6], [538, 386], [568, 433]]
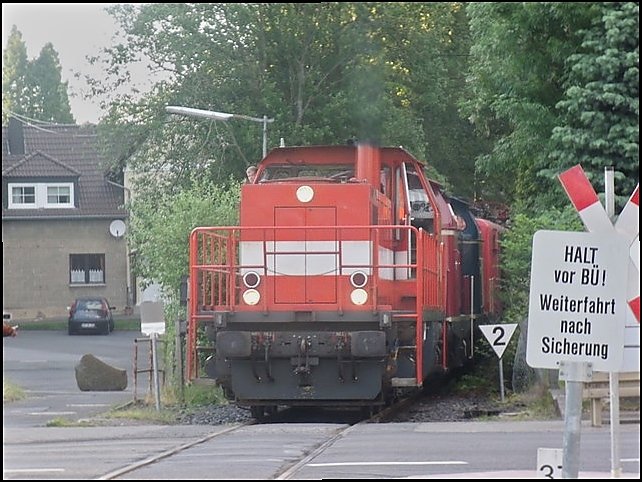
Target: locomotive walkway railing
[[313, 256]]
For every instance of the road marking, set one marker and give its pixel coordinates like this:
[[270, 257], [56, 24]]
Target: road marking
[[23, 471], [88, 405], [51, 413], [436, 462]]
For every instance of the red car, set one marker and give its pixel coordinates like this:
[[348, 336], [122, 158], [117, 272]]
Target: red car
[[90, 315]]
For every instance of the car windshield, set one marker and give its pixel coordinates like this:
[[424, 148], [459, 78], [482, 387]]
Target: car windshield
[[90, 305]]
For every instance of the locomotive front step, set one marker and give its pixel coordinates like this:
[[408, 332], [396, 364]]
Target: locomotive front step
[[404, 382]]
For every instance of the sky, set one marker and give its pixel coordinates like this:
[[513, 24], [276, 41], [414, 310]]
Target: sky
[[75, 31]]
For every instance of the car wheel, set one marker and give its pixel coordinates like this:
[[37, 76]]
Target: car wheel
[[70, 330], [106, 330]]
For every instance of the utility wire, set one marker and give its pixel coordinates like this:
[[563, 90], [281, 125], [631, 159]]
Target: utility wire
[[30, 122]]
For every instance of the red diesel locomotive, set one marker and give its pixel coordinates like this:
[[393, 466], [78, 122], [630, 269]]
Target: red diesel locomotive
[[351, 278]]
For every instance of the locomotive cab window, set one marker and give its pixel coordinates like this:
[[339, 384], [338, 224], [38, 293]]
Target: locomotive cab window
[[422, 214], [386, 181], [334, 172]]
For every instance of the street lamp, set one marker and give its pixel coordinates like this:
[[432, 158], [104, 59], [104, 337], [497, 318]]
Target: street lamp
[[222, 116]]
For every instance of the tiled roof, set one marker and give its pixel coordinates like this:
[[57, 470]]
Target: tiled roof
[[38, 164], [53, 152]]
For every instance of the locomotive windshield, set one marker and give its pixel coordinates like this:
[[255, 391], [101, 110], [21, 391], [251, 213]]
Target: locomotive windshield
[[332, 172], [420, 206]]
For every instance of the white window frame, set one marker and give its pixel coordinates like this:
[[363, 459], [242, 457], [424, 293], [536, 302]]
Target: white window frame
[[68, 185], [12, 205], [41, 191]]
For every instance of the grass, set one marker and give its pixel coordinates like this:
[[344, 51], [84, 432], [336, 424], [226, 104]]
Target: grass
[[195, 395], [144, 411], [64, 422], [11, 392], [537, 403]]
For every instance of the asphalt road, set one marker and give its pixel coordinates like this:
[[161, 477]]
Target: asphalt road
[[42, 363]]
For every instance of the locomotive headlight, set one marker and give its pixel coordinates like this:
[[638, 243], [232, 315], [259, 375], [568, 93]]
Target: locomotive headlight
[[358, 279], [359, 296], [251, 279], [305, 194], [251, 297]]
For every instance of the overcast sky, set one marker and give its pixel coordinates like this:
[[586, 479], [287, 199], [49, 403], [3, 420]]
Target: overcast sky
[[75, 30]]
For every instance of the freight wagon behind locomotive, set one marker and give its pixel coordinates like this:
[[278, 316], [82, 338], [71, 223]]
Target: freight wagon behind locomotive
[[351, 279]]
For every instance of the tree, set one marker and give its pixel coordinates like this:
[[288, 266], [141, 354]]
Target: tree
[[14, 76], [49, 99], [366, 70], [383, 71], [517, 72], [33, 89], [600, 108], [159, 231], [426, 55]]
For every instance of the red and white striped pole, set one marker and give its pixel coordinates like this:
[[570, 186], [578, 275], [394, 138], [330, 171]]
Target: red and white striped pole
[[628, 222], [584, 198], [628, 225]]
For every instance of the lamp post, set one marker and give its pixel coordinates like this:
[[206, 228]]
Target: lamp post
[[222, 116]]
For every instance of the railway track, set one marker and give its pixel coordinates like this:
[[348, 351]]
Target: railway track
[[348, 420], [171, 452]]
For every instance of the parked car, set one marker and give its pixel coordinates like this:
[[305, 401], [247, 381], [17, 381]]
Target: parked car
[[90, 315]]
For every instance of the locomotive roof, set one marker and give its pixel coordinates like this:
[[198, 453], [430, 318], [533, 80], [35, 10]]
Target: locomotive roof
[[337, 154]]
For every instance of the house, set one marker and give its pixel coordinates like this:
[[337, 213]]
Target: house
[[63, 222]]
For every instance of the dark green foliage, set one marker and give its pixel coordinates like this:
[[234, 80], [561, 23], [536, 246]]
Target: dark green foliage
[[350, 70], [516, 253], [601, 106], [384, 72], [49, 101], [518, 54]]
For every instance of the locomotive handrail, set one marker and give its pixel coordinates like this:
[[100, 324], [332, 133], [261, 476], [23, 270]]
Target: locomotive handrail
[[215, 268]]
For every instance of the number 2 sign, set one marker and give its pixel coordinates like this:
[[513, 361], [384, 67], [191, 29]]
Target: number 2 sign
[[498, 336]]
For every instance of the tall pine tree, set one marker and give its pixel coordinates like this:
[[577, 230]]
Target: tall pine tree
[[33, 89], [49, 100], [14, 75], [601, 106]]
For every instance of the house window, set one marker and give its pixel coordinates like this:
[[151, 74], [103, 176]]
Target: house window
[[41, 195], [59, 196], [23, 196], [87, 268]]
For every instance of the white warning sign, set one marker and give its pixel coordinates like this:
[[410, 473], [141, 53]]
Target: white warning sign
[[577, 304]]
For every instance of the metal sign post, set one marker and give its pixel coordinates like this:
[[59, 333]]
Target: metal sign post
[[614, 376], [499, 336], [152, 323], [574, 375], [154, 339]]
